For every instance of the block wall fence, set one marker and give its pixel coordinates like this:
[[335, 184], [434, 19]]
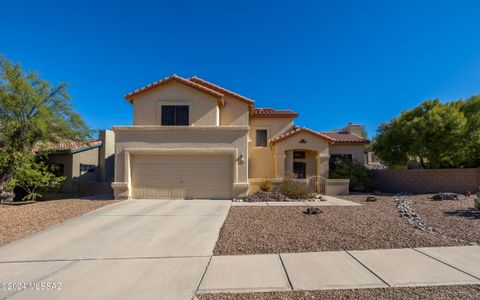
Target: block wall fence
[[419, 181]]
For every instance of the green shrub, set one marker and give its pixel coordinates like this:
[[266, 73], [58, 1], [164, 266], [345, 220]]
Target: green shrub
[[33, 176], [477, 201], [295, 189], [266, 186], [361, 179]]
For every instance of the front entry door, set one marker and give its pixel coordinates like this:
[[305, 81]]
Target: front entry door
[[300, 170]]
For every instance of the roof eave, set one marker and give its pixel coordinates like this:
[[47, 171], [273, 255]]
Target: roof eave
[[276, 116], [130, 96], [203, 82]]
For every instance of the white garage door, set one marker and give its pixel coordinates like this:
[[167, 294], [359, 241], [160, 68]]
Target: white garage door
[[182, 176]]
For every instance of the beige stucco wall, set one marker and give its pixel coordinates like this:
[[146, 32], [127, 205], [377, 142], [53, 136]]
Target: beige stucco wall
[[261, 160], [106, 155], [89, 157], [311, 161], [200, 139], [357, 151], [313, 143], [319, 146], [64, 159], [71, 163], [337, 187], [235, 112], [203, 107]]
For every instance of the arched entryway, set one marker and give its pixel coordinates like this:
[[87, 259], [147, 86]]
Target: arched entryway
[[302, 150]]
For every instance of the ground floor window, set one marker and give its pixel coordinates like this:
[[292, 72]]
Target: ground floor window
[[334, 158], [84, 168]]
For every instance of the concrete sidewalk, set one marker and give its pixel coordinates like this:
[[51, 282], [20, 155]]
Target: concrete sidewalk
[[343, 270]]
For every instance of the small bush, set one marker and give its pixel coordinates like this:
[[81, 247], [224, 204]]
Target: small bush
[[266, 186], [361, 179], [32, 176], [295, 190], [477, 201]]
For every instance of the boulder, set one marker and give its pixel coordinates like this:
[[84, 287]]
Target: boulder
[[312, 211], [6, 197], [445, 196]]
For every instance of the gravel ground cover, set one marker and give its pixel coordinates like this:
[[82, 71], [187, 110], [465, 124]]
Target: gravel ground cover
[[438, 292], [454, 218], [373, 225], [18, 221]]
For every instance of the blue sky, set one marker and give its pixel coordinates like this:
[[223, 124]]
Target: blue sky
[[332, 61]]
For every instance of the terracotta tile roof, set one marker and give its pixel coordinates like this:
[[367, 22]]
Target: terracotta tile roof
[[192, 84], [345, 137], [221, 90], [270, 112], [68, 146], [332, 137]]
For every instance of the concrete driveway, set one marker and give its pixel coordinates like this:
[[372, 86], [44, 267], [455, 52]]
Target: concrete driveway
[[141, 249]]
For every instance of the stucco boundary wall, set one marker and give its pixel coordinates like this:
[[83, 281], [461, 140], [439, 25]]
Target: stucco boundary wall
[[421, 181]]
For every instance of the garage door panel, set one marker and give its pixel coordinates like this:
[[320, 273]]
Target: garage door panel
[[182, 176], [173, 170]]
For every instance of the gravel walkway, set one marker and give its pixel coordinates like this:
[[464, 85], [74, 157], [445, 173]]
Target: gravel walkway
[[438, 292], [374, 225], [21, 220]]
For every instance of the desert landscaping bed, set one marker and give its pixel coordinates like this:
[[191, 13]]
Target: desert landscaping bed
[[454, 218], [437, 292], [18, 221], [373, 225]]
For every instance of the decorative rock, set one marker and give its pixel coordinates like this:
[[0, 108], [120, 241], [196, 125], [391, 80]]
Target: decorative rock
[[445, 196], [371, 198], [312, 211], [6, 197]]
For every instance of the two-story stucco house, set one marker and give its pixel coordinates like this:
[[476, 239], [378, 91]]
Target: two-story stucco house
[[193, 139]]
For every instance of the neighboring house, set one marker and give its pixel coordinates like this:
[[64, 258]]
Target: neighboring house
[[91, 160], [193, 139]]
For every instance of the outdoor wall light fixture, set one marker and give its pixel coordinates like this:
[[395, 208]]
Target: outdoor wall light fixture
[[241, 159]]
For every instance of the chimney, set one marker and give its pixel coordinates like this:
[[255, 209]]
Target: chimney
[[356, 129]]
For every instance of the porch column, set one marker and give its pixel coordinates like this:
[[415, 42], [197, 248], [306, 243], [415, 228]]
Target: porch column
[[322, 164], [289, 163], [280, 165]]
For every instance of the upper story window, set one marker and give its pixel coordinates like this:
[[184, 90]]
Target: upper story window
[[175, 115], [261, 138]]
